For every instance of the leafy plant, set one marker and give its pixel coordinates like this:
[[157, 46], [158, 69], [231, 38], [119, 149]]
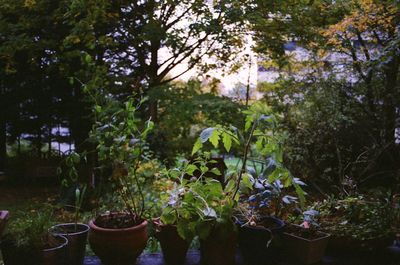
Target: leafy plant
[[196, 204], [260, 143], [357, 217], [122, 147], [30, 230], [269, 199]]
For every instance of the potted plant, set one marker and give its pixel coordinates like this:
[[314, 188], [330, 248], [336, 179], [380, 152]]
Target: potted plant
[[3, 221], [75, 232], [27, 238], [258, 185], [357, 224], [259, 218], [120, 237], [174, 243], [188, 207], [306, 243]]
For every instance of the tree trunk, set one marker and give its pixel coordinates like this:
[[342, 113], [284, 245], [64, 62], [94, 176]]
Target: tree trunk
[[391, 100]]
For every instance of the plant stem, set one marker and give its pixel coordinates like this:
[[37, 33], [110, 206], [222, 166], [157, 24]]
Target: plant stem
[[246, 151]]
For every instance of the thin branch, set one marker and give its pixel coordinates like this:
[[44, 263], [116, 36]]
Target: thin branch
[[246, 151]]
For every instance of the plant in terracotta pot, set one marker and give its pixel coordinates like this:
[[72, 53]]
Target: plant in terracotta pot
[[306, 243], [189, 199], [174, 245], [118, 238], [75, 232], [27, 238], [3, 221]]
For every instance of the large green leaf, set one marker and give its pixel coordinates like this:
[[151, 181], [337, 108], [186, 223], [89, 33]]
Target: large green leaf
[[197, 146], [214, 138], [227, 140]]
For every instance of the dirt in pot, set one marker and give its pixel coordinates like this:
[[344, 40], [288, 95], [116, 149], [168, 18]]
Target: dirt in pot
[[117, 221], [50, 241], [269, 224]]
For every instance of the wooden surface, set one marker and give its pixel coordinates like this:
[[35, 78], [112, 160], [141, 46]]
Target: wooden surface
[[193, 258]]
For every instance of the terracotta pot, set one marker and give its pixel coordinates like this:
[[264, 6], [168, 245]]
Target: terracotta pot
[[14, 255], [118, 246], [219, 248], [77, 236], [306, 251], [174, 248], [3, 221]]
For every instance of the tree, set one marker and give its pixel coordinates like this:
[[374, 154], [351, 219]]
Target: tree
[[35, 67], [350, 46], [130, 36]]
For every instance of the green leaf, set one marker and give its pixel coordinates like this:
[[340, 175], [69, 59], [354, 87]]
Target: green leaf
[[216, 171], [168, 216], [197, 146], [203, 230], [190, 169], [247, 180], [186, 229], [75, 158], [300, 193], [227, 140], [97, 108], [87, 58], [203, 169], [214, 188], [214, 138], [230, 186]]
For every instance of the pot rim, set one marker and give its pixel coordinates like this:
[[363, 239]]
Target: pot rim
[[157, 222], [54, 227], [260, 227], [58, 247], [323, 235], [140, 226]]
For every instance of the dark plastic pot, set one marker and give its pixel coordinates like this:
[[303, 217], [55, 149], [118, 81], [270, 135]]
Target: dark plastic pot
[[13, 255], [254, 240], [219, 248], [118, 246], [174, 248], [306, 251], [77, 236], [3, 221]]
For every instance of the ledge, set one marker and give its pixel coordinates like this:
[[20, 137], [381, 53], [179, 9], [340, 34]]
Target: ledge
[[193, 258]]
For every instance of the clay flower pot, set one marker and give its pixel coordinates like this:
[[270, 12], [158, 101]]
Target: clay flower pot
[[14, 255], [77, 236], [3, 221], [174, 248], [118, 246]]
